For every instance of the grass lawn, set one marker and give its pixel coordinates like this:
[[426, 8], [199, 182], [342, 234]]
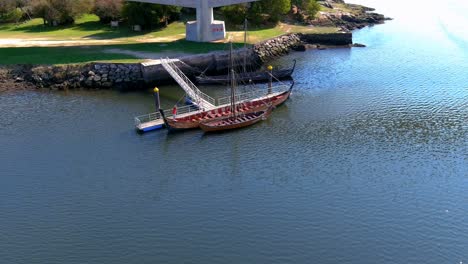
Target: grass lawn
[[59, 55], [86, 27], [160, 41], [83, 54], [257, 35]]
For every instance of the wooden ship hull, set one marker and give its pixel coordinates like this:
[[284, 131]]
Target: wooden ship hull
[[240, 121], [193, 121], [247, 77]]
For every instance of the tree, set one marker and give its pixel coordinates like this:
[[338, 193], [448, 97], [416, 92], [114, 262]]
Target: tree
[[268, 11], [40, 8], [108, 10], [57, 12], [255, 14], [275, 8], [148, 16], [11, 10], [140, 14], [169, 12], [310, 7], [235, 14]]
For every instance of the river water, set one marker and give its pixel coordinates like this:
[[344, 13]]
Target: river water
[[367, 163]]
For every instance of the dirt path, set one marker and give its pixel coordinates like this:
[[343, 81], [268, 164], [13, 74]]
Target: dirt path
[[43, 42], [51, 42]]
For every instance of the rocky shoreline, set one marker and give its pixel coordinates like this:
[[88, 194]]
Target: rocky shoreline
[[133, 76], [11, 80], [348, 17]]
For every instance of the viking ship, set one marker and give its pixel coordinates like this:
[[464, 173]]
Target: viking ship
[[192, 121], [253, 101], [236, 119], [265, 76], [247, 76]]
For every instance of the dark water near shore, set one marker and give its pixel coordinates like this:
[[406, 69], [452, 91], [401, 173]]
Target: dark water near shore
[[367, 163]]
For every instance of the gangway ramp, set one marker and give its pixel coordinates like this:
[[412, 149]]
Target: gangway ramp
[[201, 99]]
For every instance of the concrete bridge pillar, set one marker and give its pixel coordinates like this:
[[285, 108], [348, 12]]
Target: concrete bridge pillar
[[205, 18], [205, 29]]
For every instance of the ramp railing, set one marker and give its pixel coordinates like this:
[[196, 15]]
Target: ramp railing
[[201, 99]]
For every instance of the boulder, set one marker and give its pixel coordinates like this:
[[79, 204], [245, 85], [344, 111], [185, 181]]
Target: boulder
[[36, 78]]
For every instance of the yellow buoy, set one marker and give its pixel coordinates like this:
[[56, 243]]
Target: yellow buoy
[[270, 68]]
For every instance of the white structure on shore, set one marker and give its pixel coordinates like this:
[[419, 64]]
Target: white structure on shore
[[205, 29]]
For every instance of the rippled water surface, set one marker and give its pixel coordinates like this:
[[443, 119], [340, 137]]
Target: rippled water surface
[[367, 163]]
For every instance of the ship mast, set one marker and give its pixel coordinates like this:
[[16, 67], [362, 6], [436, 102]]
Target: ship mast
[[233, 93], [245, 45]]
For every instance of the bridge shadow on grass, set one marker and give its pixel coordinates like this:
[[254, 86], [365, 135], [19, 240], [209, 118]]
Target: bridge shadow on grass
[[106, 31], [5, 27], [111, 33], [40, 28]]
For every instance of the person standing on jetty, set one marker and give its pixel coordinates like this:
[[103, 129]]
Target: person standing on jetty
[[174, 111]]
